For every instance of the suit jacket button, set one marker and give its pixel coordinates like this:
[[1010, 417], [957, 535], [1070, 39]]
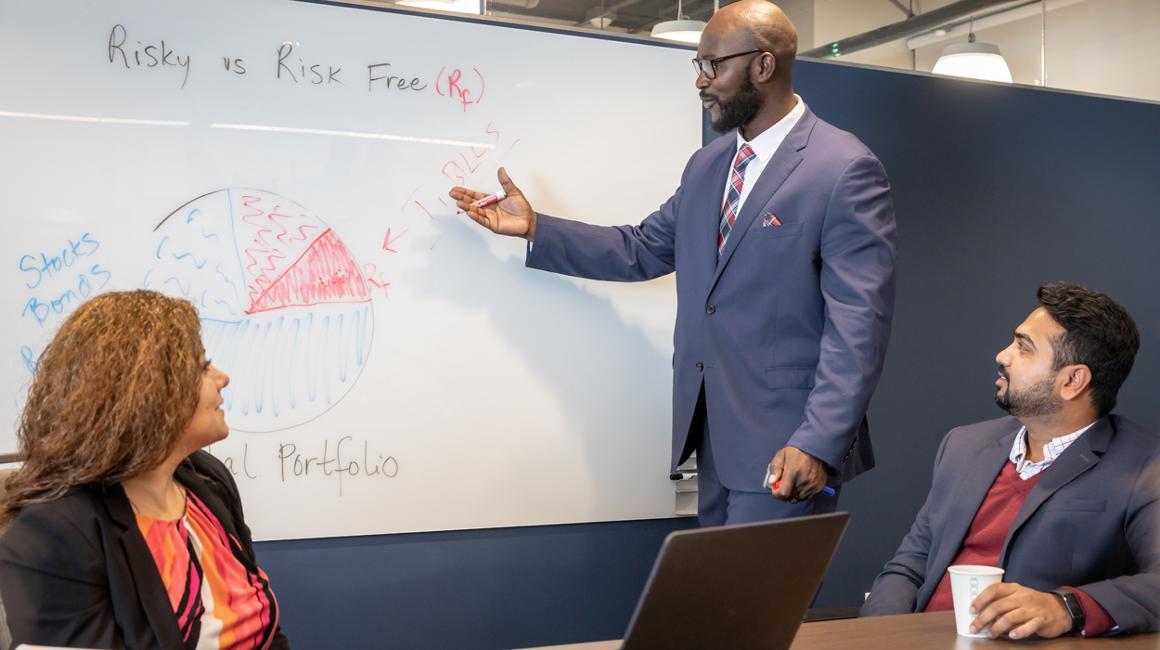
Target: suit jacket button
[[700, 366], [711, 309]]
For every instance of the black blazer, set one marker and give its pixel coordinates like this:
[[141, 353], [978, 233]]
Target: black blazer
[[76, 571]]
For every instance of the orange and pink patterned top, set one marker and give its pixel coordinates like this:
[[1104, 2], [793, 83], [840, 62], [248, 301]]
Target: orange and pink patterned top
[[218, 602]]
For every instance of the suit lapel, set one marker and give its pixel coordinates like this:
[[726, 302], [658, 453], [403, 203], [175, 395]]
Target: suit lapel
[[146, 576], [709, 202], [1080, 456], [787, 157], [969, 494]]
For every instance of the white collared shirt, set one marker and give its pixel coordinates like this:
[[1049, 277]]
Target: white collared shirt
[[764, 146], [1051, 451]]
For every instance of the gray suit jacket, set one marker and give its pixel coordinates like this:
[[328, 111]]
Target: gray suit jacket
[[787, 331], [1090, 522]]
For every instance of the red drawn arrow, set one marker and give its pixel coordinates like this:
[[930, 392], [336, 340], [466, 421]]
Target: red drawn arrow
[[389, 241]]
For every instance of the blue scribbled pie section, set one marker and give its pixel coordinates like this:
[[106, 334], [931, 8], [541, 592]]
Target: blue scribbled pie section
[[285, 308]]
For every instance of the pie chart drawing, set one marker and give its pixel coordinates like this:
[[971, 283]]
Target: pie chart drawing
[[285, 308]]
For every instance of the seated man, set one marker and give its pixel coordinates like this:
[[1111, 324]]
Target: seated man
[[1066, 503]]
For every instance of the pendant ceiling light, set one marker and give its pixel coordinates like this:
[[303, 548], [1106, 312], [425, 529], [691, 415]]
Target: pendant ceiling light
[[973, 61], [685, 31]]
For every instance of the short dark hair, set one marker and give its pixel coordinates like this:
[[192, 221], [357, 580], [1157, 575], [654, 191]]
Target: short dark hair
[[1098, 332]]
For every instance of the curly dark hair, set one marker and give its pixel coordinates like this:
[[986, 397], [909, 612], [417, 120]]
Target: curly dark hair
[[1098, 332], [112, 395]]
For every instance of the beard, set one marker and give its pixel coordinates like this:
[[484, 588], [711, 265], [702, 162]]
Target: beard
[[740, 110], [1033, 401]]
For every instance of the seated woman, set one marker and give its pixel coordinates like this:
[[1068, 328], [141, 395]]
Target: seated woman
[[121, 531]]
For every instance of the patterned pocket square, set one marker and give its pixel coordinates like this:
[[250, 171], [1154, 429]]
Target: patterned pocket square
[[770, 220]]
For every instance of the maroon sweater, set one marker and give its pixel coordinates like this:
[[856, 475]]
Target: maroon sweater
[[984, 544]]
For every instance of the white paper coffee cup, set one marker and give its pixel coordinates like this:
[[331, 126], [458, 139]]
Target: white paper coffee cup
[[967, 582]]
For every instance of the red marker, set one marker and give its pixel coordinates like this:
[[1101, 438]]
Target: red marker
[[827, 490], [773, 485], [491, 199]]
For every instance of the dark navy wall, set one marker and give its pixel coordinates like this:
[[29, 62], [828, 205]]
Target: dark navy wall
[[500, 588], [997, 190]]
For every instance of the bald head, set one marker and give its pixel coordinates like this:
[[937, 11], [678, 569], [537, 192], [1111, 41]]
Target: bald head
[[751, 46], [758, 24]]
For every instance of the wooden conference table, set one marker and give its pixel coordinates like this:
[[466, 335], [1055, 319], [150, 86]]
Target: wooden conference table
[[934, 631]]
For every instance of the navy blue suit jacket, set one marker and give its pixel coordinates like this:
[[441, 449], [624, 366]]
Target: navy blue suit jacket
[[788, 329], [1090, 522]]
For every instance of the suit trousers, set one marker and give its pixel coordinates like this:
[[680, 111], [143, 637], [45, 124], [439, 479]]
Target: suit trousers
[[717, 505]]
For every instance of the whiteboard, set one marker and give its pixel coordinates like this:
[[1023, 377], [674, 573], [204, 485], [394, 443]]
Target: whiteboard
[[284, 165]]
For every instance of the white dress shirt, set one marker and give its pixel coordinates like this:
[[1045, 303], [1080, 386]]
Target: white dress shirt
[[764, 146], [1051, 451]]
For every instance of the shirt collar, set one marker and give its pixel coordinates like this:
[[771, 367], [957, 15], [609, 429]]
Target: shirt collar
[[1051, 450], [767, 142]]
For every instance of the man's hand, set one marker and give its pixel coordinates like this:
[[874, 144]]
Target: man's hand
[[801, 476], [1017, 612], [512, 216]]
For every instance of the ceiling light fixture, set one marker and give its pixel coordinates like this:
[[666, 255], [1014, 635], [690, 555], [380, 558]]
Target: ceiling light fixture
[[973, 60], [599, 17], [685, 31]]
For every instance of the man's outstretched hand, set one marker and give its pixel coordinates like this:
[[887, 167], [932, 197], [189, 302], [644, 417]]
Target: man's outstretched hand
[[512, 216]]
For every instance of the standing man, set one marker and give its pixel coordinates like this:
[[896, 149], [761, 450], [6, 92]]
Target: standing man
[[782, 239]]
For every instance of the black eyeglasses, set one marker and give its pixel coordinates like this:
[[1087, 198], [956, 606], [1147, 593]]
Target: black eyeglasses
[[708, 67]]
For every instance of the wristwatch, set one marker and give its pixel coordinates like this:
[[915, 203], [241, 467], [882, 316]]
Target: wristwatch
[[1074, 609]]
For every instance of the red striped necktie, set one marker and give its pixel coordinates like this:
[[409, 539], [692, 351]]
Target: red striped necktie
[[733, 199]]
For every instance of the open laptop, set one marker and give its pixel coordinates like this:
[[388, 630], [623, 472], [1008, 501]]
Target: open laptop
[[744, 586]]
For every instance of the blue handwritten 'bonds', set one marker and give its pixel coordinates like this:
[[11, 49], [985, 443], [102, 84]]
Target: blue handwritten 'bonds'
[[62, 277]]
